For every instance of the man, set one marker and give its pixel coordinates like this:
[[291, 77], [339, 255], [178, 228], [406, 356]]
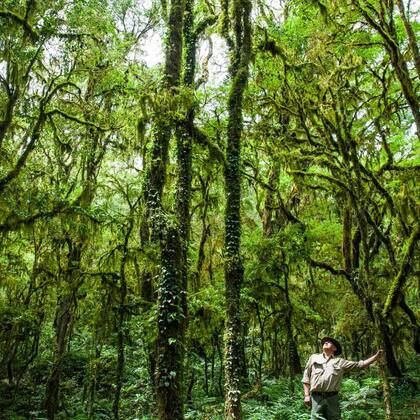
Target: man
[[322, 377]]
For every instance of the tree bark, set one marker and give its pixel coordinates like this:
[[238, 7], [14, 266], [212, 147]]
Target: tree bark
[[233, 264], [121, 318], [171, 292], [63, 324], [295, 367], [170, 330]]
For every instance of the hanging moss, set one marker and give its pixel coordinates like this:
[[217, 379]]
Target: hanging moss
[[398, 283]]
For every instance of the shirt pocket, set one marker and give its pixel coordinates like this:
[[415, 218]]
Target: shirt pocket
[[317, 368], [336, 371]]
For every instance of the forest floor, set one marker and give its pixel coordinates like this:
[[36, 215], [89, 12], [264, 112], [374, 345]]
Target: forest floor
[[276, 399], [361, 399]]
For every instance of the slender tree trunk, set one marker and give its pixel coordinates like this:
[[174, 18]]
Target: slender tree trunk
[[233, 264], [292, 351], [387, 393], [121, 323], [91, 387], [206, 373], [63, 323], [262, 348]]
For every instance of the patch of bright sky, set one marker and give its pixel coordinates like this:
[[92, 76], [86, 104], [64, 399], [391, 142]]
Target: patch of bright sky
[[152, 48], [153, 55]]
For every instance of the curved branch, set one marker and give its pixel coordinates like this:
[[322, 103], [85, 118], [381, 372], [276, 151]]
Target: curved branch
[[33, 34], [398, 283], [78, 120], [331, 269]]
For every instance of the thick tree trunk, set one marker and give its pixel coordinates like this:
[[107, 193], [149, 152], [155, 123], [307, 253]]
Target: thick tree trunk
[[156, 227], [184, 165], [391, 362], [360, 267], [170, 330]]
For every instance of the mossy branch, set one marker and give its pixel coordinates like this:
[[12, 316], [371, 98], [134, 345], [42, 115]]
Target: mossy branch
[[201, 138], [331, 179], [331, 269], [7, 14], [398, 283], [80, 121]]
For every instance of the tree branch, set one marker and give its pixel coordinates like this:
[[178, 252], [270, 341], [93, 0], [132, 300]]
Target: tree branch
[[398, 283], [22, 22]]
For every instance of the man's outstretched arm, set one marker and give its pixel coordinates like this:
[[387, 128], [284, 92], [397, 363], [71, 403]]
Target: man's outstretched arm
[[372, 359]]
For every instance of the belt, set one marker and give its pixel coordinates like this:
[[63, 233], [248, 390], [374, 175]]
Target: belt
[[325, 394]]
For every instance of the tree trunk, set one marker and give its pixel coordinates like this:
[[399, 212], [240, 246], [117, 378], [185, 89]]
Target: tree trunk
[[387, 393], [63, 323], [90, 392], [391, 362], [262, 349], [292, 352], [170, 330], [121, 323], [171, 296], [233, 264]]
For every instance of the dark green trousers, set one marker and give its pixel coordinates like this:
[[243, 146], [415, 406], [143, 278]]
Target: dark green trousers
[[325, 407]]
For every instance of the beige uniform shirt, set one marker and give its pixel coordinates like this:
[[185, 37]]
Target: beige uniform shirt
[[325, 375]]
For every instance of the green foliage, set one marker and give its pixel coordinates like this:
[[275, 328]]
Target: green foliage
[[361, 400], [327, 132]]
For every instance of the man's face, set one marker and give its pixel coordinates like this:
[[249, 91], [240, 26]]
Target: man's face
[[329, 346]]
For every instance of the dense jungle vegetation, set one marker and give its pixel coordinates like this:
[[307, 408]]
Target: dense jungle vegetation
[[194, 192]]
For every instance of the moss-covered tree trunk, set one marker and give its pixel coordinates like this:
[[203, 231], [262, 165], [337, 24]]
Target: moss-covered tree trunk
[[121, 320], [295, 367], [240, 57], [63, 323], [169, 357], [184, 158]]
